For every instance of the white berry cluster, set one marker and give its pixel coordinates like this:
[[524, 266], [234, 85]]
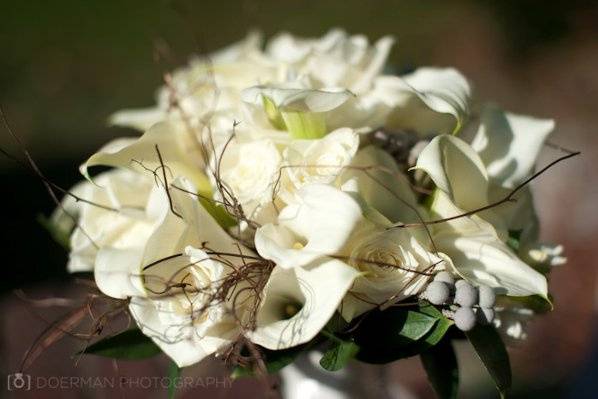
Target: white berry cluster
[[467, 304]]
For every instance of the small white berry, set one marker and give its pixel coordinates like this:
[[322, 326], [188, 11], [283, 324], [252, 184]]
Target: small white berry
[[465, 294], [464, 318], [487, 296], [437, 292], [460, 282], [485, 316], [445, 277]]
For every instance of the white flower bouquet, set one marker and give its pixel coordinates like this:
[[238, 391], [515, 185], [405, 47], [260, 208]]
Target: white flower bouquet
[[293, 196]]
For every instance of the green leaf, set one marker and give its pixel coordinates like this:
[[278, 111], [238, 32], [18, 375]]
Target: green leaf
[[441, 366], [273, 113], [439, 330], [224, 219], [514, 239], [275, 361], [416, 325], [537, 303], [336, 357], [398, 332], [131, 344], [62, 237], [174, 372], [305, 125], [491, 350]]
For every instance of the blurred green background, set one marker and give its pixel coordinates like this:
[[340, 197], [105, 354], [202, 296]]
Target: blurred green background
[[65, 66]]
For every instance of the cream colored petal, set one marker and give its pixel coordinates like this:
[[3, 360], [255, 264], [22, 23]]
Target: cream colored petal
[[180, 153], [195, 227], [179, 342], [509, 144], [317, 290], [375, 66], [297, 99], [428, 101], [484, 259], [140, 119], [117, 272], [457, 170], [479, 253], [381, 185]]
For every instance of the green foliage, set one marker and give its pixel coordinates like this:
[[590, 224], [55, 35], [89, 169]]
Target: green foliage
[[130, 344], [491, 350], [399, 332], [339, 354], [274, 360], [536, 303], [305, 125], [217, 211], [61, 236], [174, 372], [441, 366], [514, 240]]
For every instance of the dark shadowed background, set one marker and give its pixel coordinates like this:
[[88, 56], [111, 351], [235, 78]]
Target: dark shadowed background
[[66, 65]]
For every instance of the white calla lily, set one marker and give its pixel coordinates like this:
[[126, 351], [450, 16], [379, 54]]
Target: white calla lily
[[296, 109], [140, 119], [428, 101], [319, 224], [297, 99], [479, 255], [181, 343], [298, 302], [509, 144], [180, 153], [457, 170]]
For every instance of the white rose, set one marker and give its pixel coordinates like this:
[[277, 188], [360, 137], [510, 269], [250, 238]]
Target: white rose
[[162, 276], [250, 170], [214, 83], [121, 211], [394, 265], [192, 324], [206, 85], [316, 161], [335, 60]]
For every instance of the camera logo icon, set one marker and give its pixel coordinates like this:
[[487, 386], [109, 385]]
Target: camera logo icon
[[19, 381]]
